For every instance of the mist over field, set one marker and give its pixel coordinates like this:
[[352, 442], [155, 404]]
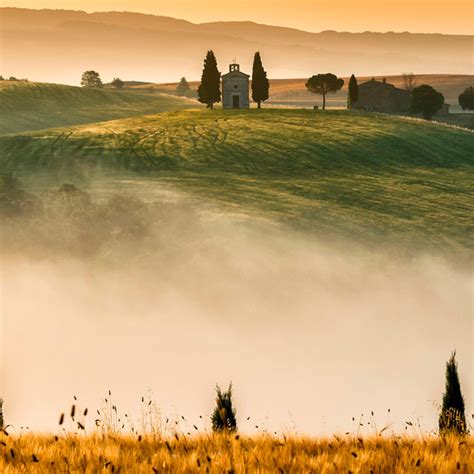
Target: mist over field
[[130, 294]]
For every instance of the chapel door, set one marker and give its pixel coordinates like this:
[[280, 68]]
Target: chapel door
[[236, 101]]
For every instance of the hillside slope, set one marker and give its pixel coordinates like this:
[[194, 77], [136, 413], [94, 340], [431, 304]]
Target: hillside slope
[[34, 106], [370, 177]]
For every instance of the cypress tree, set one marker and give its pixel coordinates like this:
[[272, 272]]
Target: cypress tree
[[452, 417], [209, 91], [223, 417], [260, 83], [353, 94]]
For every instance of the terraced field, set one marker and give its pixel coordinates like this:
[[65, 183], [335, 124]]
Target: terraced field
[[375, 178], [35, 106]]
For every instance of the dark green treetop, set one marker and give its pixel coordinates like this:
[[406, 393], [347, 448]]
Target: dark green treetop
[[91, 79], [324, 84], [209, 92], [426, 100], [353, 94], [466, 98], [260, 82]]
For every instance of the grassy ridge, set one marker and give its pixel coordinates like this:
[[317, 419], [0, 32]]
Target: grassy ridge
[[372, 177], [34, 106], [221, 453]]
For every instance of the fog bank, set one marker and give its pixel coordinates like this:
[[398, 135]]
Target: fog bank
[[133, 297]]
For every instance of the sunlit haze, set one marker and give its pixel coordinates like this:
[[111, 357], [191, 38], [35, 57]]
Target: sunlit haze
[[427, 16]]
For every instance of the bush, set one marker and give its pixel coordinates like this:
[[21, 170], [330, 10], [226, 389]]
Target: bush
[[466, 99], [223, 418], [426, 100], [117, 83]]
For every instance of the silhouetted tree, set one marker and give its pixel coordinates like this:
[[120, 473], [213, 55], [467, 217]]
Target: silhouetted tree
[[209, 91], [452, 417], [223, 417], [2, 78], [91, 79], [183, 88], [324, 84], [260, 82], [409, 81], [117, 83], [353, 94], [466, 99], [13, 78], [1, 414], [426, 100]]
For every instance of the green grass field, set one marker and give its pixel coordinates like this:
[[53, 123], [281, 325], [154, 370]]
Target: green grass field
[[35, 106], [372, 178]]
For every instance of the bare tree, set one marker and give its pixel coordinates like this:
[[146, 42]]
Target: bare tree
[[409, 81]]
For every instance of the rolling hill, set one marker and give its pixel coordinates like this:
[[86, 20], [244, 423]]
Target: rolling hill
[[160, 49], [375, 178], [35, 106]]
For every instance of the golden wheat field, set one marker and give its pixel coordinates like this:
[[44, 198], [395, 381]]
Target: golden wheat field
[[230, 453]]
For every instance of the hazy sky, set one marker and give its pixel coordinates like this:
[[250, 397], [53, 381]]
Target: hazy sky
[[455, 16]]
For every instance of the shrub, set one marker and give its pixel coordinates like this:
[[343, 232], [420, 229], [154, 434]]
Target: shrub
[[466, 99], [117, 83], [426, 100], [223, 418]]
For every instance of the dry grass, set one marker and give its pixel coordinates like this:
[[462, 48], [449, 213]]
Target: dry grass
[[234, 454]]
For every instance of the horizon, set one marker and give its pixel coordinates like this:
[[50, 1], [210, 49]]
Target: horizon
[[281, 16]]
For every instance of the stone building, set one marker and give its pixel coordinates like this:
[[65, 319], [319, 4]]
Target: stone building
[[235, 89], [379, 96], [376, 96]]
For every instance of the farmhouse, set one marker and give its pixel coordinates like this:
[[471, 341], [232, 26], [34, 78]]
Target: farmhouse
[[379, 96], [376, 96], [235, 89]]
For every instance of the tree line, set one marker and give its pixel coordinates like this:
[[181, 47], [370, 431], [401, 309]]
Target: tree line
[[425, 99]]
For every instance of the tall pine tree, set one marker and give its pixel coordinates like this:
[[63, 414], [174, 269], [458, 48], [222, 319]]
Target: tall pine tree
[[452, 417], [260, 83], [353, 94], [209, 92]]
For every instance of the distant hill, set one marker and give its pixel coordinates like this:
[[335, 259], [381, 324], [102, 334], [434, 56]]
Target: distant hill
[[58, 45], [27, 106]]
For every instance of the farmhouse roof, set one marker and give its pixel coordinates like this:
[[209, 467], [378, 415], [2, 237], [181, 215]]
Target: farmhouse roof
[[373, 82]]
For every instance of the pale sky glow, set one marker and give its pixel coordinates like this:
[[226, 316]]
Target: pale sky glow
[[427, 16]]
